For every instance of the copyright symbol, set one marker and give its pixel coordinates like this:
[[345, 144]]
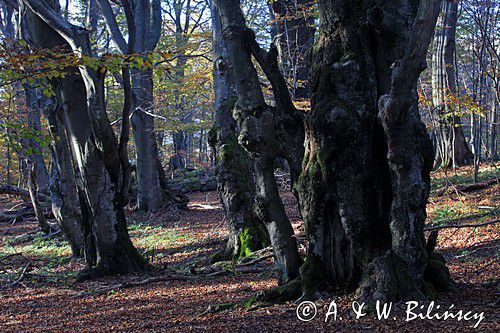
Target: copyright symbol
[[306, 311]]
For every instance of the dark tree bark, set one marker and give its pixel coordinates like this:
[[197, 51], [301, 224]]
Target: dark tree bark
[[451, 147], [63, 190], [365, 180], [94, 146], [234, 170], [294, 40], [265, 132]]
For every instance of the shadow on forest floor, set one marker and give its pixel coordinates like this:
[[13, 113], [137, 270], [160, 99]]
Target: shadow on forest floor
[[183, 241]]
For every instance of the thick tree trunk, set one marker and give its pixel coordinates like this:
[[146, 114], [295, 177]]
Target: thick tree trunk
[[451, 147], [63, 190], [260, 135], [365, 179], [234, 169], [106, 229], [149, 196], [108, 248], [295, 38], [236, 188]]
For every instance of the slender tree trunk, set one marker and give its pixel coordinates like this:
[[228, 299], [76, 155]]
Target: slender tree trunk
[[494, 125], [149, 194], [9, 157], [180, 137], [143, 30], [452, 148], [33, 190]]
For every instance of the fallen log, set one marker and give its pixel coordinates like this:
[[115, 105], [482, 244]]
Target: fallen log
[[194, 184], [470, 187], [19, 192], [25, 212], [458, 226], [15, 215]]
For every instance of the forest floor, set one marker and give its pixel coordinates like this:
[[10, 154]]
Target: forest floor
[[38, 292]]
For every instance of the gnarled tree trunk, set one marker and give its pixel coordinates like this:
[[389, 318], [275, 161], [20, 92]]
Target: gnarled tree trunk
[[63, 190], [263, 131], [234, 170], [108, 248], [365, 180]]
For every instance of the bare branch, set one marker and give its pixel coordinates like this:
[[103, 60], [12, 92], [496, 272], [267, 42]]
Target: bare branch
[[112, 25]]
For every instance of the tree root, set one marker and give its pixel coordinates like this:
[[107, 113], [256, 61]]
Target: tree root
[[288, 292], [256, 260], [25, 270], [216, 308]]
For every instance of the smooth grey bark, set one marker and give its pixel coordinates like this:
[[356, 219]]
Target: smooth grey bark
[[365, 180], [234, 169], [262, 131], [6, 23], [107, 245], [451, 147], [295, 30], [149, 191]]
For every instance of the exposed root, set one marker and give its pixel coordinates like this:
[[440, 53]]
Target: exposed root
[[219, 308], [288, 292]]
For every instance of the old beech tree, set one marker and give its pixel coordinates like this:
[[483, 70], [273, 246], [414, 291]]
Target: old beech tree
[[364, 182], [359, 161], [100, 159]]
